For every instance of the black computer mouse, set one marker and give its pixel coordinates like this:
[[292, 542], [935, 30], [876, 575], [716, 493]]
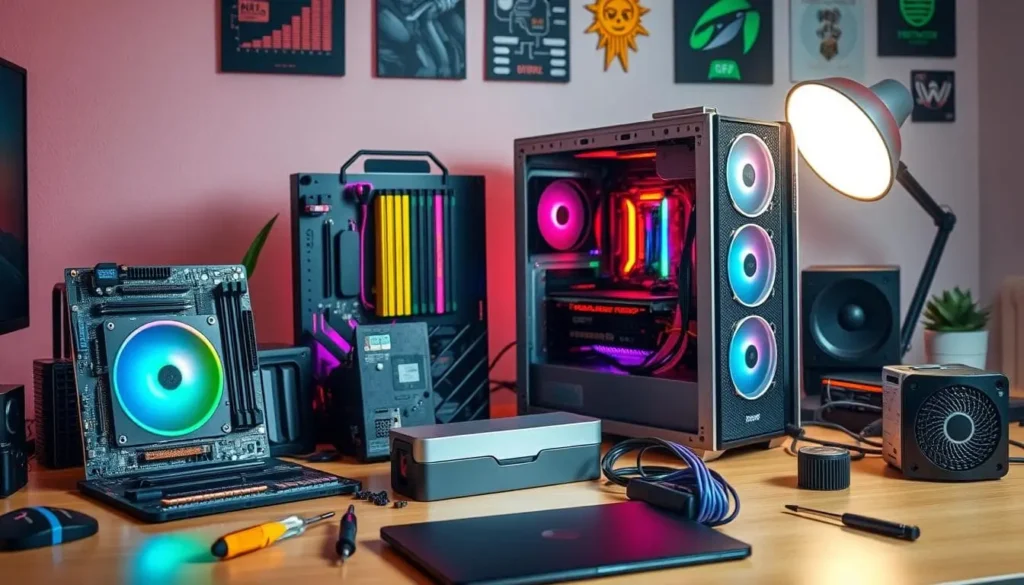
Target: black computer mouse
[[40, 526]]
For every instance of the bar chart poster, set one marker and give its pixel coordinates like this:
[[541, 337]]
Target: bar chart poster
[[305, 37], [527, 40]]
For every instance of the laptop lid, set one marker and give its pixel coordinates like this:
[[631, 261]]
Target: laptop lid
[[560, 545]]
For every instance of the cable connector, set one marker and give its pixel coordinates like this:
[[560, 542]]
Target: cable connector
[[674, 498]]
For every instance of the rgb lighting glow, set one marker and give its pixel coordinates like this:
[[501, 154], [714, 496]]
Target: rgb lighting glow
[[663, 261], [751, 265], [750, 175], [753, 357], [168, 378], [630, 219], [561, 215]]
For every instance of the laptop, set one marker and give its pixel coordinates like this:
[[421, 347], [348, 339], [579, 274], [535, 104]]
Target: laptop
[[560, 545]]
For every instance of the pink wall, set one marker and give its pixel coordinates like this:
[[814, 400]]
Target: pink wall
[[142, 152]]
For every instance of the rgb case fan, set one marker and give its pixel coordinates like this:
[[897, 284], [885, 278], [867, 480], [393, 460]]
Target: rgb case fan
[[170, 394], [945, 422], [402, 241]]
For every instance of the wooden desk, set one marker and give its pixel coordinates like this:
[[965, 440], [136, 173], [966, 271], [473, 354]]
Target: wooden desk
[[968, 530]]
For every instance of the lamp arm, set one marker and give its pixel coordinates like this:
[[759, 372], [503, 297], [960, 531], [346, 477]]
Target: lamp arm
[[944, 221]]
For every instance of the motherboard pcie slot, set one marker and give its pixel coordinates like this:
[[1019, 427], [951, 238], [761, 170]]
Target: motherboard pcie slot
[[198, 498], [142, 306], [193, 487], [153, 289], [327, 241], [161, 455]]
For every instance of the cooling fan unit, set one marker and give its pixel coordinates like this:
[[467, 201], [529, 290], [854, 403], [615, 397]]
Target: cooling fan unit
[[945, 422]]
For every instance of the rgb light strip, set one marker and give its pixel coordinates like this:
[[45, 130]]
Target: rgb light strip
[[167, 378], [753, 357], [663, 261], [414, 253], [631, 244]]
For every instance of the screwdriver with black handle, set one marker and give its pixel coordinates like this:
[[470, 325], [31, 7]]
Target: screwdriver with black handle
[[866, 523], [346, 545]]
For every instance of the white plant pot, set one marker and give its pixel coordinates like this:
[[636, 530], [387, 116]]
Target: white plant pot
[[956, 347]]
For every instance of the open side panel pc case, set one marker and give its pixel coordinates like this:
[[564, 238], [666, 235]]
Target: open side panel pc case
[[657, 277], [170, 394], [402, 241]]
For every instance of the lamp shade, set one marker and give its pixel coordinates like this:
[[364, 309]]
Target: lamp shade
[[848, 133]]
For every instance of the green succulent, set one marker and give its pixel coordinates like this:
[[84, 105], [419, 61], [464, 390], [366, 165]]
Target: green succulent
[[253, 253], [954, 310]]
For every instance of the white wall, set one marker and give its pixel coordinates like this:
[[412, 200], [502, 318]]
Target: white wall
[[1001, 88]]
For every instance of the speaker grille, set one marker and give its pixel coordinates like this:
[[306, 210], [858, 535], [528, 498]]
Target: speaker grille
[[741, 417], [958, 428]]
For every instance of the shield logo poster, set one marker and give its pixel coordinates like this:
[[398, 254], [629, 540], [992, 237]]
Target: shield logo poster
[[826, 39], [917, 28], [723, 41], [934, 96], [421, 39]]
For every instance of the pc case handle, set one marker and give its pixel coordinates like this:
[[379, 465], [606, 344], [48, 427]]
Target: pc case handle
[[61, 323], [394, 153]]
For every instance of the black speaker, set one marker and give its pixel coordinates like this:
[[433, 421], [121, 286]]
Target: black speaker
[[58, 434], [754, 233], [945, 422], [287, 374], [13, 460], [850, 320]]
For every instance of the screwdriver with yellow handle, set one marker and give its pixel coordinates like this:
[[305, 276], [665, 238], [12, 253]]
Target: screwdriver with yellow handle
[[259, 537]]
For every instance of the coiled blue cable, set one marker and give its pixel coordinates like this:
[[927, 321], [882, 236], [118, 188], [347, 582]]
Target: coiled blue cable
[[717, 501]]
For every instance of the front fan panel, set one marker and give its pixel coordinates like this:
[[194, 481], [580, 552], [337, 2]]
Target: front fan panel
[[958, 428]]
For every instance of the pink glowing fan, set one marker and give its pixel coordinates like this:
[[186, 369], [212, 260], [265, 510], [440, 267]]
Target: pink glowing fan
[[562, 215]]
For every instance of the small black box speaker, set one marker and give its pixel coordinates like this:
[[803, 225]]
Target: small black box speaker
[[850, 320], [945, 422], [13, 460], [58, 434], [288, 398]]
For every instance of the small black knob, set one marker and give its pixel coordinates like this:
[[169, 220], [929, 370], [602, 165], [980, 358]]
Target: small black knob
[[823, 468]]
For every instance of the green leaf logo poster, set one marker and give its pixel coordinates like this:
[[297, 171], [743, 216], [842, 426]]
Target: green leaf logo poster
[[826, 39], [723, 41], [917, 28]]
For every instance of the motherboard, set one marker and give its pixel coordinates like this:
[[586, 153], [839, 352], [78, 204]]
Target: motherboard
[[166, 367]]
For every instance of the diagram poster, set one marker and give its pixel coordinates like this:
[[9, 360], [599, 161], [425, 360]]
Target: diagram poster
[[527, 40], [826, 39], [421, 39], [917, 28], [723, 41], [283, 36]]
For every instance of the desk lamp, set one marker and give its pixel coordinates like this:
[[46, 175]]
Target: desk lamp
[[849, 135]]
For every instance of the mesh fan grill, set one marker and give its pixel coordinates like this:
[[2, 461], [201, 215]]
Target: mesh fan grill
[[975, 441], [770, 407]]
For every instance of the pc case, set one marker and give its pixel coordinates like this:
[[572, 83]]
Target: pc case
[[394, 237], [692, 208]]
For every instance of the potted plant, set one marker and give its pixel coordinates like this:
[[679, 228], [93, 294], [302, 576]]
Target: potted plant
[[955, 329]]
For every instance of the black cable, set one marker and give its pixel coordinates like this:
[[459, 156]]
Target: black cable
[[1018, 445], [500, 355], [799, 434], [713, 494]]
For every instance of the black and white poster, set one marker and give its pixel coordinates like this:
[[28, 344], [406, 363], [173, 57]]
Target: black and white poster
[[421, 39], [934, 96], [723, 41], [917, 28], [527, 40]]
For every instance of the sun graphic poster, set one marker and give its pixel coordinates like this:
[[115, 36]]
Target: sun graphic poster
[[723, 41], [617, 24]]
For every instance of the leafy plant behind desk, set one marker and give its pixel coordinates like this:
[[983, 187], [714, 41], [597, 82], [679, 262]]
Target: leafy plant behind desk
[[953, 311], [253, 253]]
